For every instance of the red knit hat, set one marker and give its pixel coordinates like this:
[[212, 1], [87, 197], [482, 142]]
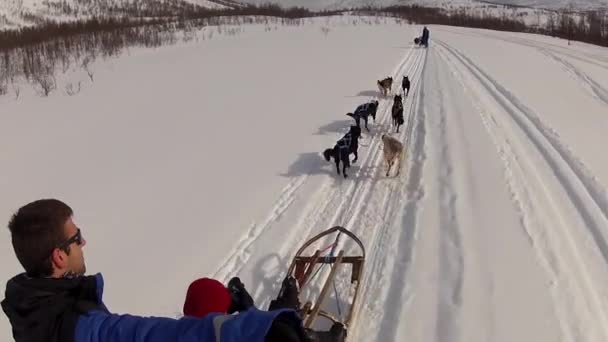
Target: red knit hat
[[206, 296]]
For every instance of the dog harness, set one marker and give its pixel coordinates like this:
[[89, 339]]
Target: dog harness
[[345, 142], [363, 110]]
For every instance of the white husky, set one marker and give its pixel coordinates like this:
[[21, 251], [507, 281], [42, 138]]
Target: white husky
[[393, 149]]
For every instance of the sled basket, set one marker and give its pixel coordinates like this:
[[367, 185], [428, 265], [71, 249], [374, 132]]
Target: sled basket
[[302, 268]]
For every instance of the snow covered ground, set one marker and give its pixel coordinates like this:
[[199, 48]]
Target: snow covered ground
[[203, 159]]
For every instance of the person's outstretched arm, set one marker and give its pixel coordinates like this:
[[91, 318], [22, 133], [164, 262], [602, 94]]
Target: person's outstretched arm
[[252, 325]]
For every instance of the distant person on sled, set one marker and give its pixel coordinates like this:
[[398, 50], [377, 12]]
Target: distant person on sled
[[424, 39]]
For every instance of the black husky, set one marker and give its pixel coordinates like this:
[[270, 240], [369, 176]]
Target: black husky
[[397, 112], [343, 148], [405, 85], [363, 112]]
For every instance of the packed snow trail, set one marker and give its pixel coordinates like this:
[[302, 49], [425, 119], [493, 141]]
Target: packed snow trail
[[453, 286], [561, 212], [492, 232], [366, 204], [359, 202], [495, 180]]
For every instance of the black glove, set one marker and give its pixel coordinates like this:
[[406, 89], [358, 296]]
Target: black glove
[[288, 296], [337, 333], [241, 300], [286, 328]]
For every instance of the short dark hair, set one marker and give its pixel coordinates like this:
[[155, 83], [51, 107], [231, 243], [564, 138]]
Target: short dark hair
[[36, 230]]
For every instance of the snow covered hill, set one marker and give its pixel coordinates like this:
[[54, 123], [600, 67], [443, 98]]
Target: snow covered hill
[[18, 13], [344, 4], [204, 159], [553, 4], [339, 4]]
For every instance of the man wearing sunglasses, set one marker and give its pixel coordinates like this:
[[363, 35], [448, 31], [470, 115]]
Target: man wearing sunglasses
[[54, 301]]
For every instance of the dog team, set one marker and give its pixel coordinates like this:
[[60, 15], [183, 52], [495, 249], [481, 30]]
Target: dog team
[[349, 143]]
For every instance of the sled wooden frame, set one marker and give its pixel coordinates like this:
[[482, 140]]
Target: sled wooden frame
[[302, 267]]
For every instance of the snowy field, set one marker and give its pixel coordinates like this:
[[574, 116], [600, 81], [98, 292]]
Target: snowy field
[[203, 159]]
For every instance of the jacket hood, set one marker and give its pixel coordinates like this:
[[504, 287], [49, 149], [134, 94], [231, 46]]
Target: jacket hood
[[46, 309]]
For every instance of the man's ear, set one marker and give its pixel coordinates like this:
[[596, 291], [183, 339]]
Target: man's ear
[[59, 260]]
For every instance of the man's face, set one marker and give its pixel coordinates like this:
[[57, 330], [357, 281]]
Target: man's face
[[76, 256]]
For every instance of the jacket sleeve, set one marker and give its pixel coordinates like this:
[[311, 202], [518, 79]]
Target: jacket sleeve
[[251, 326]]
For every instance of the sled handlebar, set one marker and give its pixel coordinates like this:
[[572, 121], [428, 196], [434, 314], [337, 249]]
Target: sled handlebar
[[332, 230]]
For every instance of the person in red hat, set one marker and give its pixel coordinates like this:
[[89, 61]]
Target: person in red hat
[[206, 296]]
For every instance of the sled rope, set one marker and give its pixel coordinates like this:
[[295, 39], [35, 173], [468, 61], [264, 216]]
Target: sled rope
[[337, 301], [335, 244], [319, 268], [333, 249], [328, 247]]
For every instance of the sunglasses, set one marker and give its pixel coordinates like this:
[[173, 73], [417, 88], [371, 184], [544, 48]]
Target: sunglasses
[[76, 238]]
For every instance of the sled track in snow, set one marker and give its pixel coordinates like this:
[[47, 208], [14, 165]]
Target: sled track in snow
[[451, 260], [555, 220], [398, 237], [362, 202], [366, 203], [323, 204], [376, 222]]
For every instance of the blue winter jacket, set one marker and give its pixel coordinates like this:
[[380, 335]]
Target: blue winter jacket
[[72, 310]]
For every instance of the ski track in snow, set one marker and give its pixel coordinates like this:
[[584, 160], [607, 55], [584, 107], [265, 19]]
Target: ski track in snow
[[451, 259], [590, 58], [576, 291], [594, 88], [560, 50], [537, 130]]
